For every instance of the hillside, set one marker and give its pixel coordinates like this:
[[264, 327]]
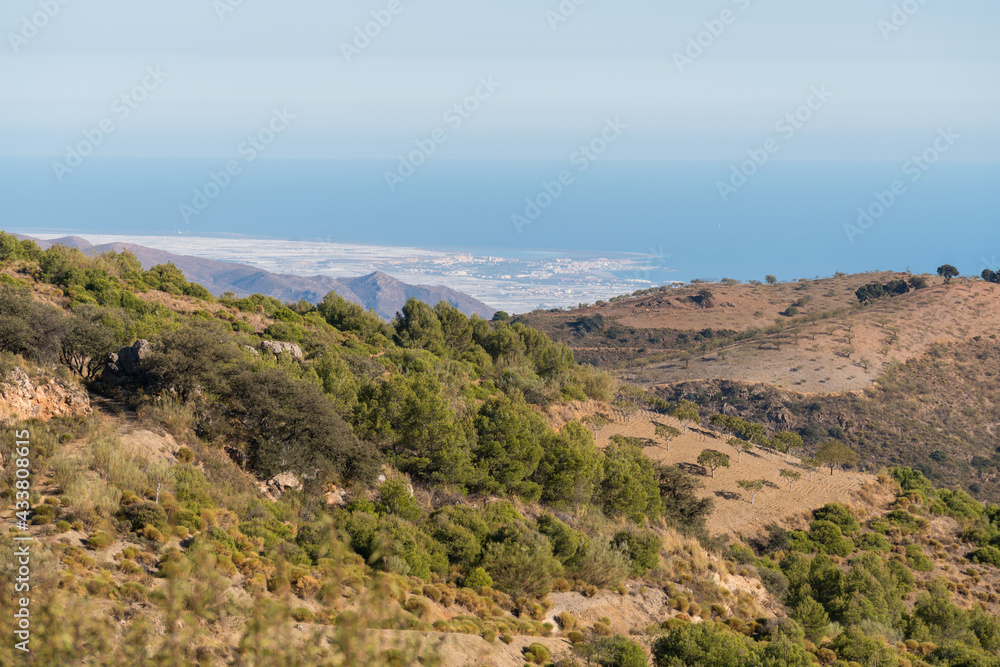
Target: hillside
[[938, 413], [249, 482], [831, 344], [377, 291]]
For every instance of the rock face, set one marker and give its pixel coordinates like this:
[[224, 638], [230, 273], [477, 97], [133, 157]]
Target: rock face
[[781, 416], [277, 348], [126, 364], [43, 399], [283, 482]]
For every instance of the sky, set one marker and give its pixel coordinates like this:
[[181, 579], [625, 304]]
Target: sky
[[558, 72], [734, 137]]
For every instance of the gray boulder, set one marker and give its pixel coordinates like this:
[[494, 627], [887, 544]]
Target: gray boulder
[[128, 361], [277, 348]]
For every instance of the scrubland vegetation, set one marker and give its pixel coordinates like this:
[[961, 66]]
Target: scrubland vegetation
[[422, 489]]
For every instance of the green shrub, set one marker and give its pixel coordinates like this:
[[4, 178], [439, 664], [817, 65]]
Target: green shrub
[[854, 645], [702, 645], [774, 581], [185, 518], [916, 559], [566, 542], [829, 538], [100, 540], [602, 564], [462, 531], [142, 514], [525, 567], [642, 549], [191, 488], [619, 651], [133, 592], [798, 540], [42, 515], [537, 654], [873, 542], [395, 498], [840, 515], [629, 487], [989, 555], [905, 520], [478, 578], [302, 615]]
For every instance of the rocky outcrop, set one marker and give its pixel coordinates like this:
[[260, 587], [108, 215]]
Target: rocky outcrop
[[277, 348], [285, 481], [335, 496], [781, 417], [41, 398], [127, 362]]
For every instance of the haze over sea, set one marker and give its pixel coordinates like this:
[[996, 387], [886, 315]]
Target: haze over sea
[[788, 219]]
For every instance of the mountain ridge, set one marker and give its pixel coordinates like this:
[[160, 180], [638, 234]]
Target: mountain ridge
[[378, 290]]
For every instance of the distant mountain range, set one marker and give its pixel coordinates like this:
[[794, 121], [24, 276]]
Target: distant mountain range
[[378, 291]]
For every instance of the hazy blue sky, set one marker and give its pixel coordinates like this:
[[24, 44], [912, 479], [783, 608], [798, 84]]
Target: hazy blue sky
[[891, 91]]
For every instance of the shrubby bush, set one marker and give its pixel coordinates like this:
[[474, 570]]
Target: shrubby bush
[[989, 555], [839, 515], [828, 537], [618, 651], [139, 515], [641, 547], [873, 542], [522, 565], [602, 564], [567, 544]]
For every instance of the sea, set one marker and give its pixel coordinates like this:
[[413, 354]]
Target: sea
[[706, 220]]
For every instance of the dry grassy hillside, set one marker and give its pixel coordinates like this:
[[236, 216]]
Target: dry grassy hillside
[[937, 413], [831, 345], [775, 504]]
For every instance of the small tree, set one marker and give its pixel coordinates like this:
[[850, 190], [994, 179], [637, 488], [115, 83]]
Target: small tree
[[160, 474], [947, 271], [787, 442], [595, 423], [811, 465], [751, 486], [771, 280], [686, 411], [627, 409], [835, 453], [668, 433], [791, 475], [740, 446], [713, 460]]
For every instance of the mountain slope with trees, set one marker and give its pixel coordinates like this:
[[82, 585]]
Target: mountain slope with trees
[[268, 483]]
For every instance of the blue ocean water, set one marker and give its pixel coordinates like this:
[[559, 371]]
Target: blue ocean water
[[788, 218]]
